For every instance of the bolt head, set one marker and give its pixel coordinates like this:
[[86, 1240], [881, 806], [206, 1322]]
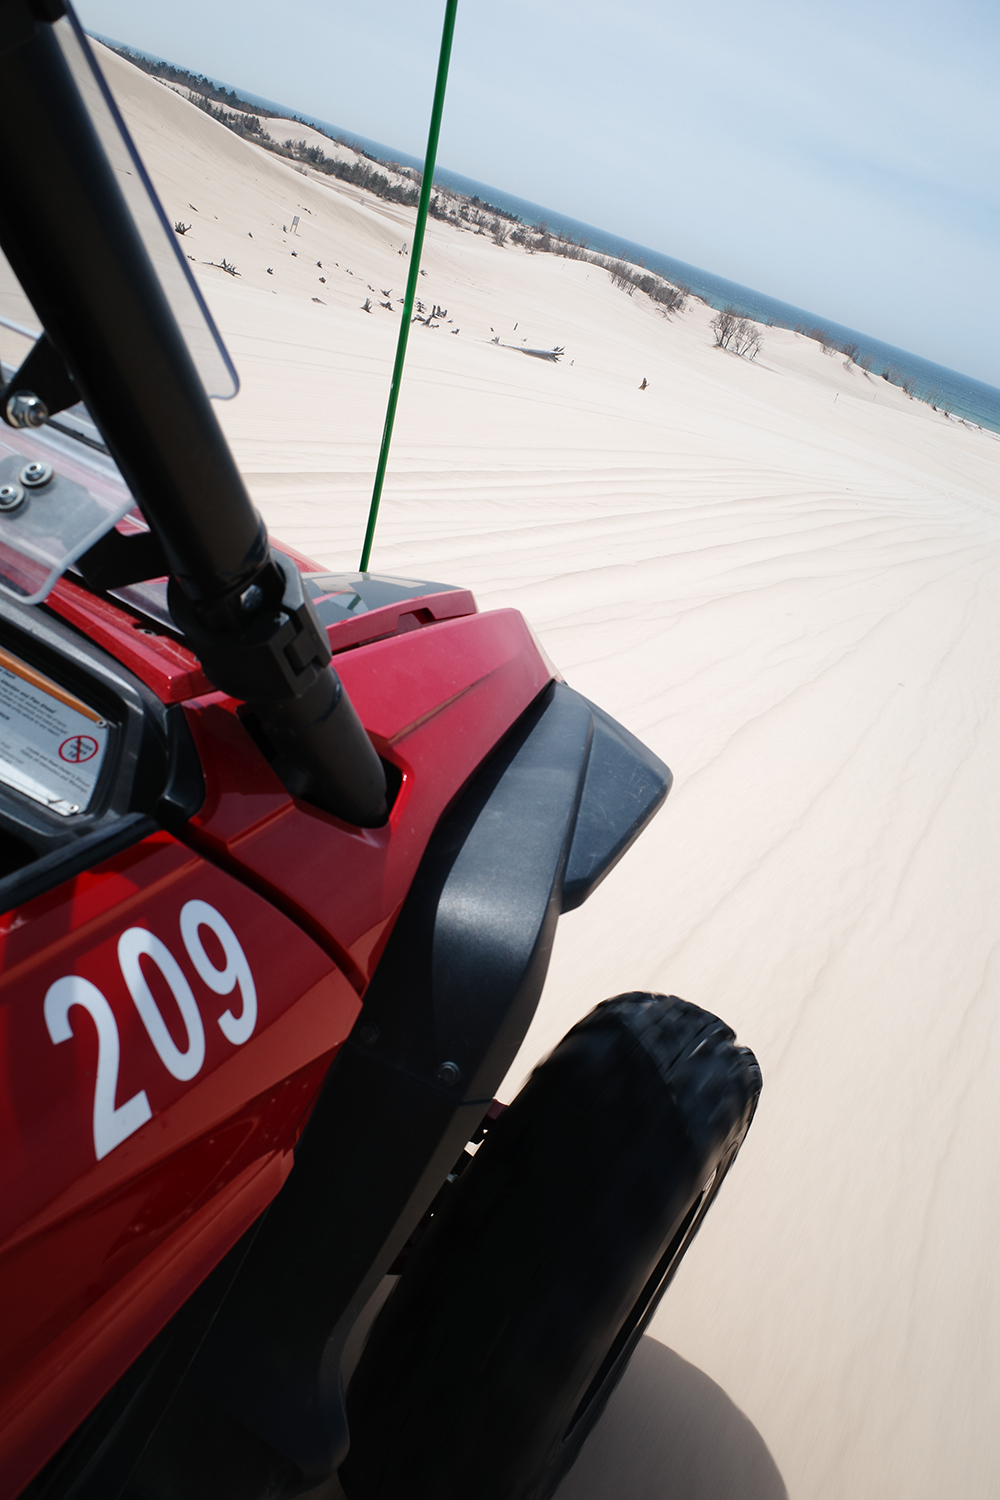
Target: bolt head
[[449, 1073], [11, 498], [35, 474], [25, 409], [368, 1034]]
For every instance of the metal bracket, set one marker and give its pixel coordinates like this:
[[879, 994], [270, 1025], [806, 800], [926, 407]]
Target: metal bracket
[[117, 560], [41, 387]]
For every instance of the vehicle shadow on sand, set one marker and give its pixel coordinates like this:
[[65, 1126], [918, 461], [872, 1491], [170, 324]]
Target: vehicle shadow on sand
[[670, 1433]]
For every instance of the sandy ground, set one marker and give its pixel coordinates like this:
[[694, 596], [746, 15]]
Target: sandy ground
[[785, 577]]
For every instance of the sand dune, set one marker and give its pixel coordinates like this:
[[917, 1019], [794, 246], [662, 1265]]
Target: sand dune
[[785, 577]]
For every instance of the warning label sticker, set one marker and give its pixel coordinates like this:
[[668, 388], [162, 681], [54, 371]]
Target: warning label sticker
[[51, 744]]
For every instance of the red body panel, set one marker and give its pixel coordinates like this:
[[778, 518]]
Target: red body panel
[[97, 1254], [174, 673], [98, 1251], [397, 619], [162, 663]]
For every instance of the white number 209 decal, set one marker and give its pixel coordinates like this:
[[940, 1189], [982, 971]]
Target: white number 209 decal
[[115, 1123]]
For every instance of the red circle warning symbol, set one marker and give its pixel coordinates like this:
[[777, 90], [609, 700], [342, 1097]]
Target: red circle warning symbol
[[78, 748]]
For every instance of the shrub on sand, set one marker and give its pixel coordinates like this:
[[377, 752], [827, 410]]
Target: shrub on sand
[[629, 278]]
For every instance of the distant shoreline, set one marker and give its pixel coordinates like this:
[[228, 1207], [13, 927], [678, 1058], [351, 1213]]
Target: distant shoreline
[[465, 203]]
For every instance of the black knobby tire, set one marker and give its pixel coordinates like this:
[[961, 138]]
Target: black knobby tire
[[522, 1302]]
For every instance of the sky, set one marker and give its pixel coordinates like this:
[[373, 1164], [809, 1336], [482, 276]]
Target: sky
[[844, 158]]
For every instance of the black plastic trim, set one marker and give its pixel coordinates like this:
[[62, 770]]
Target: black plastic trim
[[461, 975], [63, 863], [625, 784]]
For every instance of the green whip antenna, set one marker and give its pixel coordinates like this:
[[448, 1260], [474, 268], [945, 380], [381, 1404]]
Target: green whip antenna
[[426, 185]]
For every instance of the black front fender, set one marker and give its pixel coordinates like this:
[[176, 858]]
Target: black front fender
[[534, 832]]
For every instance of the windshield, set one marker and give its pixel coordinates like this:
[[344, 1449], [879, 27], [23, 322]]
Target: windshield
[[203, 339], [205, 344]]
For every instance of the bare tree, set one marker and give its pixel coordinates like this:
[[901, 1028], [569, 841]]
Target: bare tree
[[737, 334], [747, 340], [724, 324]]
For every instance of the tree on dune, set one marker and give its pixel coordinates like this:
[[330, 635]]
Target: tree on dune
[[737, 334]]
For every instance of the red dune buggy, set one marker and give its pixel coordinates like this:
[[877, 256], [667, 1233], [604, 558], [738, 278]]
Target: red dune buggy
[[282, 853]]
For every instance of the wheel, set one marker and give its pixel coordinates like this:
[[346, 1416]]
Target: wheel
[[519, 1307]]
